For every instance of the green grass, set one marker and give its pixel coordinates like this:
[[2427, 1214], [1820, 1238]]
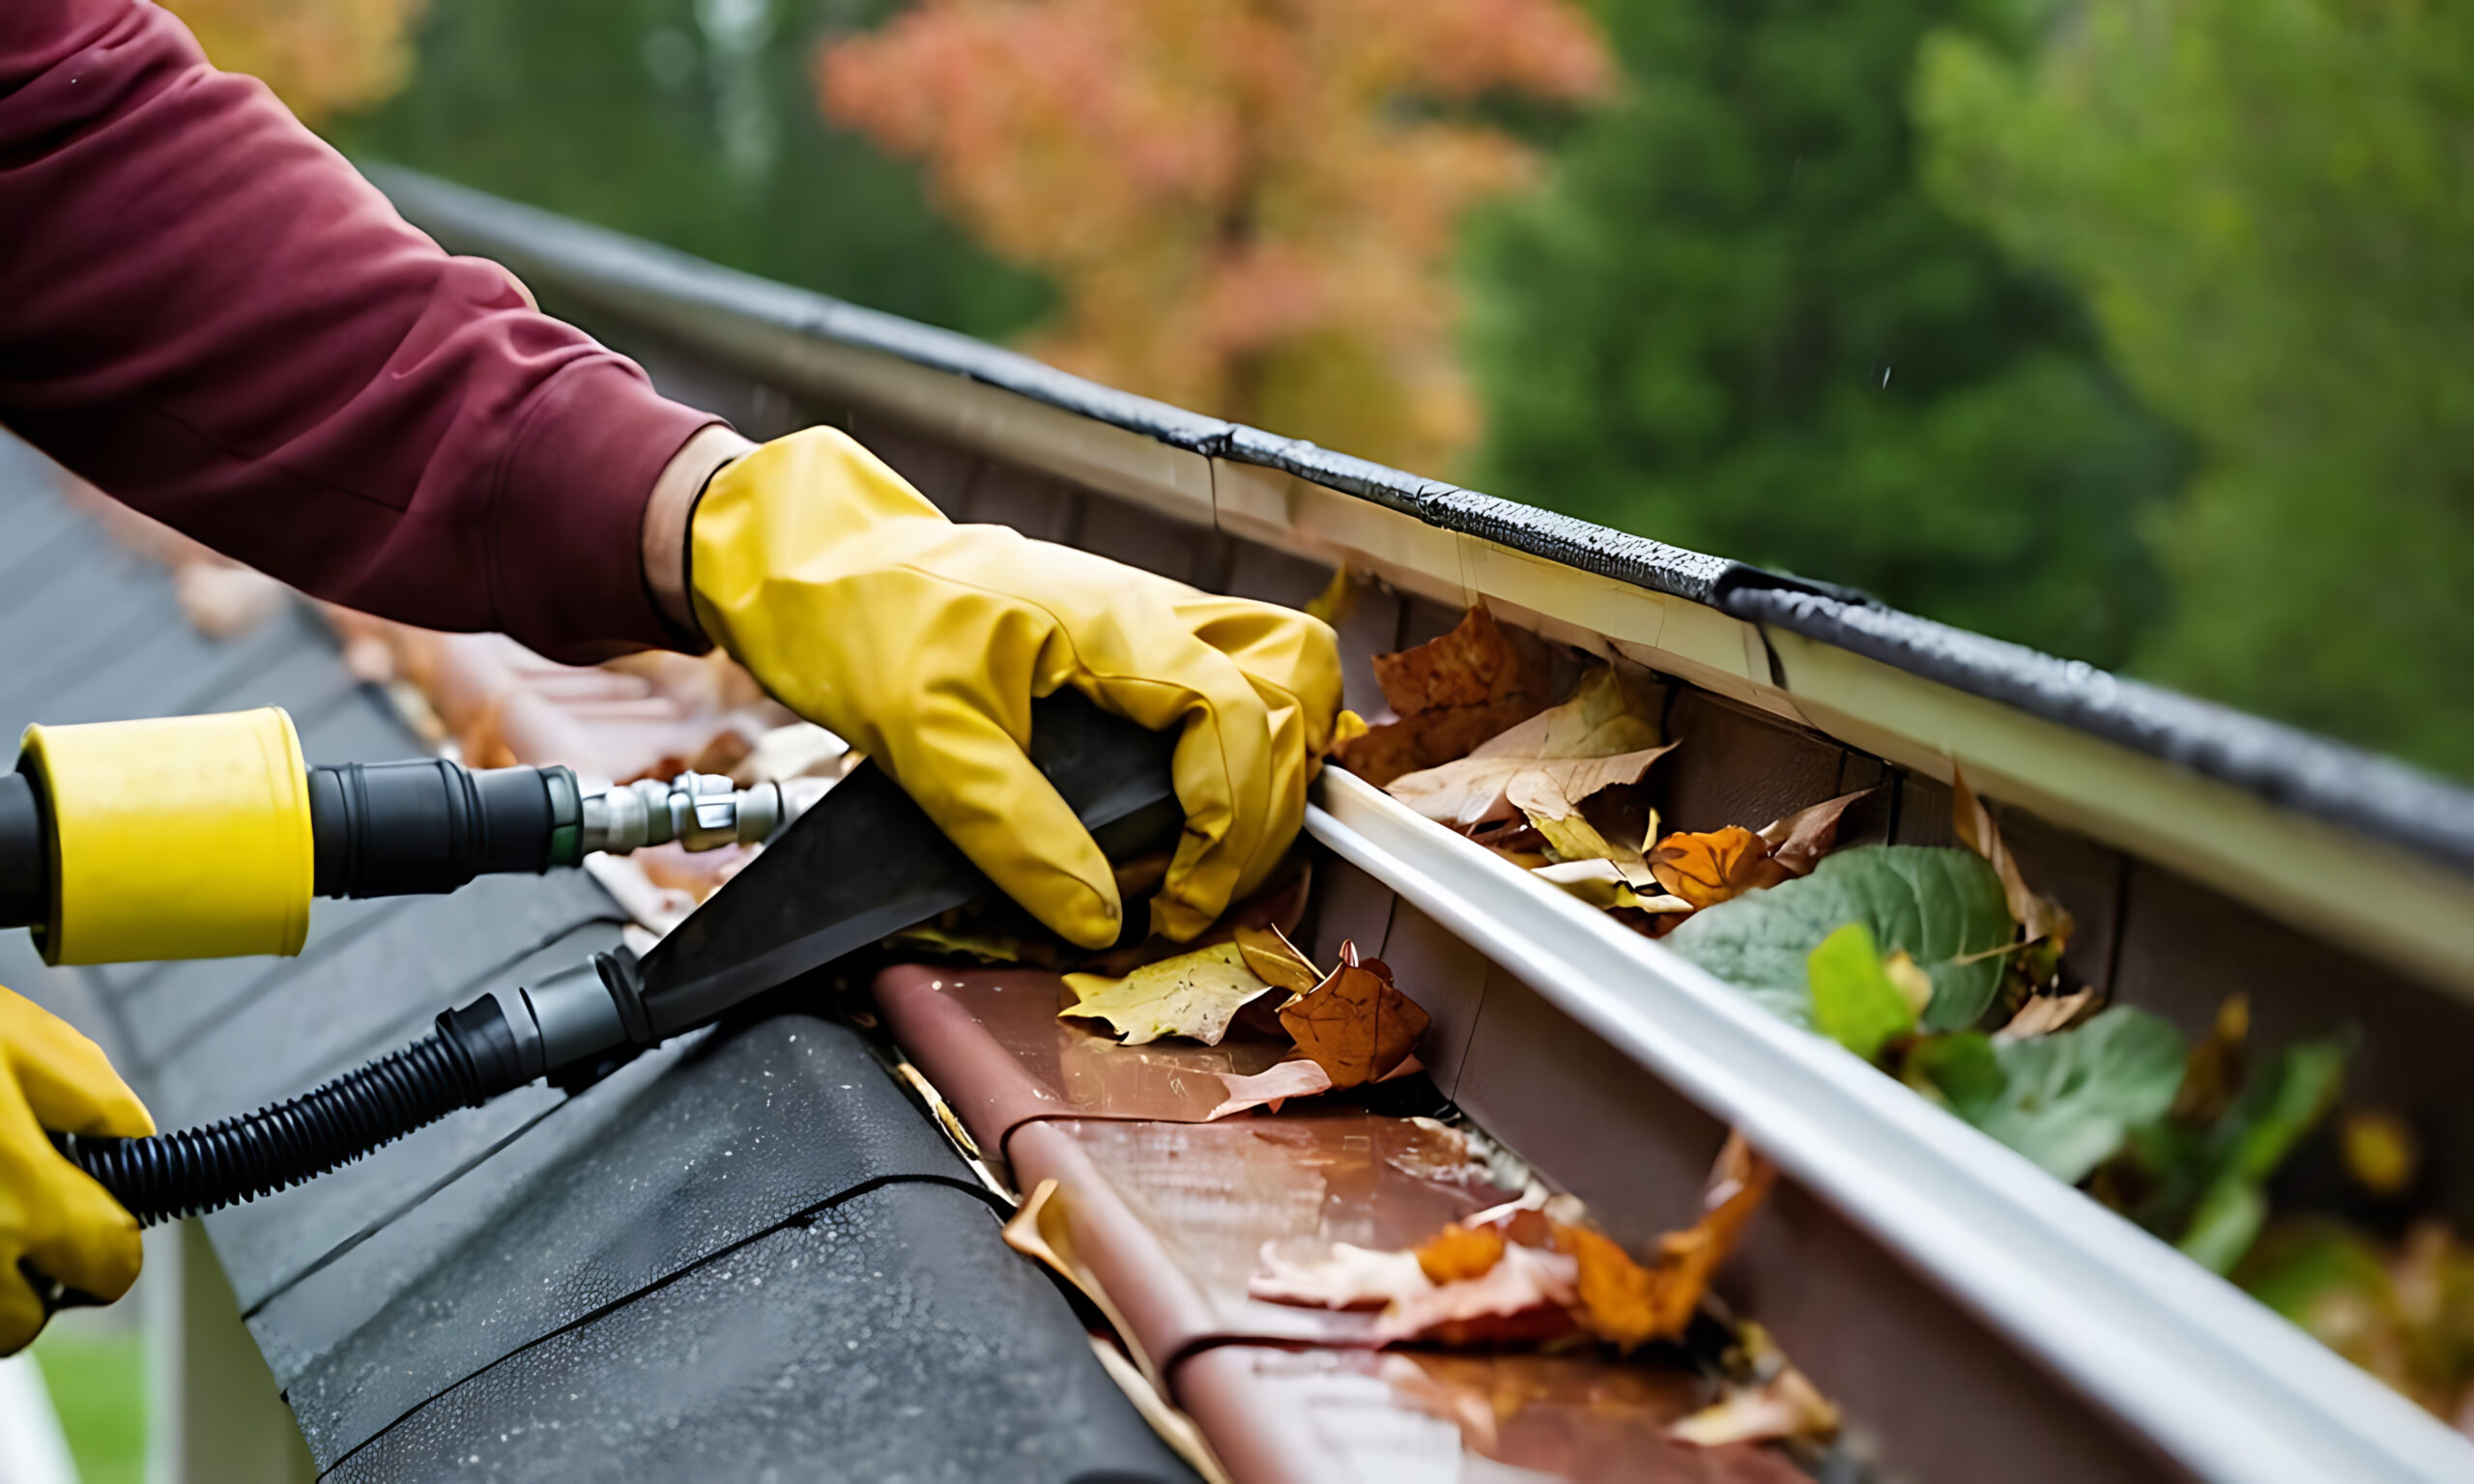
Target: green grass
[[98, 1384]]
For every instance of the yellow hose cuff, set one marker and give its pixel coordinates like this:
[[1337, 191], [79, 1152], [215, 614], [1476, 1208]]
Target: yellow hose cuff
[[182, 838]]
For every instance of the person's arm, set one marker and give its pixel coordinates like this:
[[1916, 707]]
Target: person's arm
[[207, 313]]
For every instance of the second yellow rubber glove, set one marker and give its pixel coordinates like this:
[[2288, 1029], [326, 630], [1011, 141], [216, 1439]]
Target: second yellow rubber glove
[[923, 643], [53, 1217]]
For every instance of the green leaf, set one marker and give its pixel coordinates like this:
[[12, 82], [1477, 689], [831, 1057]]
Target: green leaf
[[1960, 1071], [2211, 1185], [1943, 906], [2070, 1099], [2066, 1101], [1854, 1002], [2275, 1111], [2226, 1222]]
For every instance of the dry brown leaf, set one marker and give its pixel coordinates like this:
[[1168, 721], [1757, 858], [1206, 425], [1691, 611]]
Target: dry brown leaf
[[1528, 1295], [1194, 995], [2214, 1074], [2045, 1013], [1451, 694], [1798, 840], [1716, 866], [1604, 884], [1271, 1088], [1275, 960], [1777, 1404], [1604, 735], [1621, 1301], [1354, 1024], [1628, 1304], [2042, 917], [1042, 1230], [1293, 1077], [1279, 902], [1459, 1253], [1340, 1276]]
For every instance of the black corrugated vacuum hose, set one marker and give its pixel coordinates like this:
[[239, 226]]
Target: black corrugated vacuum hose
[[189, 1172]]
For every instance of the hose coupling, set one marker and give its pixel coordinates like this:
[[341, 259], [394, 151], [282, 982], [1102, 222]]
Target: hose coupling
[[698, 811]]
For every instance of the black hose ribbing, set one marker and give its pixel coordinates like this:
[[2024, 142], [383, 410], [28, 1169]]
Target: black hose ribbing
[[192, 1171]]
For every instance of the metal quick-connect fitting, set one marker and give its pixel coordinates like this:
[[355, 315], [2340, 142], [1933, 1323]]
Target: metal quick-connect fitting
[[700, 810]]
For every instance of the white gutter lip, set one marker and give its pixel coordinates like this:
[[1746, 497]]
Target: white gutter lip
[[2212, 1378]]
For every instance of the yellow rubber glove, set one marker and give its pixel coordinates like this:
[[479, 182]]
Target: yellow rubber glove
[[53, 1217], [923, 643]]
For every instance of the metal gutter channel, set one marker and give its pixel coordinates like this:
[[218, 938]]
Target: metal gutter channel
[[2217, 1383], [2258, 809]]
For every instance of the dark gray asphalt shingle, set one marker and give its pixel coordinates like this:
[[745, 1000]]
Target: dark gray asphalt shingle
[[876, 1340]]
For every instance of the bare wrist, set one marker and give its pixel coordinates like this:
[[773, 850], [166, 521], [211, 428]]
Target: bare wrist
[[668, 511]]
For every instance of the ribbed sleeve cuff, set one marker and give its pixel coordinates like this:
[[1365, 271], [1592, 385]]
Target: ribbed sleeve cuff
[[566, 524]]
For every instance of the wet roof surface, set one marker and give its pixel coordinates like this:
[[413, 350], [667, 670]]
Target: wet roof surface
[[748, 1255]]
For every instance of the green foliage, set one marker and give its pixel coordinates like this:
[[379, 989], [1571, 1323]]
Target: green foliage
[[2065, 1101], [1735, 321], [692, 123], [1943, 906], [2208, 1185], [1855, 1002], [97, 1378], [2269, 205]]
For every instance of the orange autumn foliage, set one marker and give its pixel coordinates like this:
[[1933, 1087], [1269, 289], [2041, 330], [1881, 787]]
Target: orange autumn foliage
[[1247, 206], [1459, 1253], [1628, 1304], [321, 57], [1716, 867]]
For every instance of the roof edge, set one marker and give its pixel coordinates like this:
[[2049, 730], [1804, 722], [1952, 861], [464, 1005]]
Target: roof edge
[[2377, 795]]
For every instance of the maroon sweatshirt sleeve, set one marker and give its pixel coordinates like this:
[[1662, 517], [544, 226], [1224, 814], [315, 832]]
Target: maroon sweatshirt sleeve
[[207, 313]]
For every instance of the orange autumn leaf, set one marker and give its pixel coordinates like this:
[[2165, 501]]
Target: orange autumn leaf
[[1628, 1304], [1248, 209], [1715, 867], [1452, 692], [1354, 1024], [1458, 1252], [1621, 1301]]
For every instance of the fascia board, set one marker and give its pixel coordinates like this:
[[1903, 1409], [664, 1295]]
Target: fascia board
[[1690, 641], [2381, 900]]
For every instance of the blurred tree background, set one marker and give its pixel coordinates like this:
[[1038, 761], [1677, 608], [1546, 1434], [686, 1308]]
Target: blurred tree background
[[2127, 328], [320, 56], [2269, 205], [1248, 208], [693, 123], [1737, 322]]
